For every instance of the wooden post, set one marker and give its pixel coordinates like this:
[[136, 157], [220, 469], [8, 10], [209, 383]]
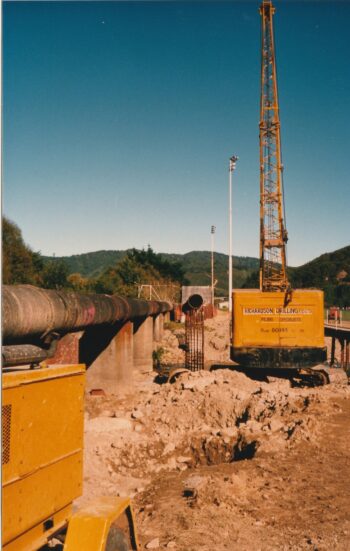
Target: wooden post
[[342, 353], [333, 351]]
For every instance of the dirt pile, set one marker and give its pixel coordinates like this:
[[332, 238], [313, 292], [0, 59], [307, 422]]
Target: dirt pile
[[219, 461], [171, 353], [294, 499], [204, 418], [216, 341], [217, 338]]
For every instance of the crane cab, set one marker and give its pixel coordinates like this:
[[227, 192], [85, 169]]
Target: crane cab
[[266, 332]]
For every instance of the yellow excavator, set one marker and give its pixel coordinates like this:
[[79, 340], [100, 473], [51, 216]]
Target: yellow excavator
[[275, 326]]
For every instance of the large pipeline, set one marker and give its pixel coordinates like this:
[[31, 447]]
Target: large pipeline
[[194, 302], [31, 313]]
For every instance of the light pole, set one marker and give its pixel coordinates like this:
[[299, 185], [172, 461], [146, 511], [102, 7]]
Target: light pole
[[212, 231], [232, 167]]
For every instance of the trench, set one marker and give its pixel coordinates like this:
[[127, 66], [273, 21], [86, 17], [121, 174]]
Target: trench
[[217, 450]]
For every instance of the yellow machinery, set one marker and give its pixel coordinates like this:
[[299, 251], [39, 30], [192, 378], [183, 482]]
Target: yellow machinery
[[274, 326], [42, 467], [269, 333]]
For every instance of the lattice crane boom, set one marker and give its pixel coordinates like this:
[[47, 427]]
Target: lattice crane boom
[[273, 234], [275, 328]]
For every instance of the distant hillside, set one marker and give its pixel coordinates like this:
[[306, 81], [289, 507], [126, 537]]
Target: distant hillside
[[329, 272], [329, 268], [197, 265], [89, 264]]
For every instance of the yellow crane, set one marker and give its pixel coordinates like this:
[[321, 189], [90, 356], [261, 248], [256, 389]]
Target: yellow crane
[[275, 326]]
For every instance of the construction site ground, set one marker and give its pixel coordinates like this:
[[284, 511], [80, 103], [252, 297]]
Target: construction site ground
[[218, 461]]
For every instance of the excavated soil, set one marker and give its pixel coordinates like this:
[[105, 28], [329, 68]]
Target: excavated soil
[[219, 461], [289, 499]]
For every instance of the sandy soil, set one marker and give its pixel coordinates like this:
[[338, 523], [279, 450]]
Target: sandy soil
[[291, 499], [219, 461]]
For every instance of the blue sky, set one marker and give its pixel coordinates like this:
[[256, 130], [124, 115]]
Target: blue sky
[[119, 119]]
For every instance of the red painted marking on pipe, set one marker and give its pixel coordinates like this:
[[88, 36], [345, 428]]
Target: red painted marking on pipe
[[89, 315]]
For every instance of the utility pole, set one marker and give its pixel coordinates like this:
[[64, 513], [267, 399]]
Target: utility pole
[[212, 231], [232, 167]]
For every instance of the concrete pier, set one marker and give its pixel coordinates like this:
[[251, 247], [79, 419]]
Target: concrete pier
[[67, 351], [158, 328], [143, 345], [111, 368]]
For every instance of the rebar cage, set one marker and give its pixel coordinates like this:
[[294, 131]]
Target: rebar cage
[[194, 334]]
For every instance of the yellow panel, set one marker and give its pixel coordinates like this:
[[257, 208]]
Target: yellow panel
[[36, 537], [42, 466], [46, 419], [16, 376], [89, 527], [261, 319], [37, 497]]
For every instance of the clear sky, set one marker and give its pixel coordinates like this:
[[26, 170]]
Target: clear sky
[[119, 119]]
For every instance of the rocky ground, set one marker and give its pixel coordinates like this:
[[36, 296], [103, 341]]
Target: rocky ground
[[219, 461]]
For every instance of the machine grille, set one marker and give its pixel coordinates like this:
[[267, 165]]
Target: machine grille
[[6, 432]]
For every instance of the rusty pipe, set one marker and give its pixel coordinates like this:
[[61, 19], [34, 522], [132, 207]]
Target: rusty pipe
[[32, 313], [194, 302]]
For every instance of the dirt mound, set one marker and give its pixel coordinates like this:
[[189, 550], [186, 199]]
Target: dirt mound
[[217, 460], [216, 341], [290, 499], [204, 418]]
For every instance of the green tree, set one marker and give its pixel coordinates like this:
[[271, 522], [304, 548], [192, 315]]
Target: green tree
[[172, 271], [136, 267], [252, 281], [79, 283], [19, 263], [55, 275]]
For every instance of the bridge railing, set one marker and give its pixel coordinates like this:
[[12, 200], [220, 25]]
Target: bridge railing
[[340, 333]]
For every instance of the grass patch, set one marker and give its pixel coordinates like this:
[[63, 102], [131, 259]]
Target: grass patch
[[174, 325], [345, 314]]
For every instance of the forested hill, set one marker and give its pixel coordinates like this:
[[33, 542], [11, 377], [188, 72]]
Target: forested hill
[[89, 264], [329, 272], [122, 271], [329, 268], [196, 264]]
